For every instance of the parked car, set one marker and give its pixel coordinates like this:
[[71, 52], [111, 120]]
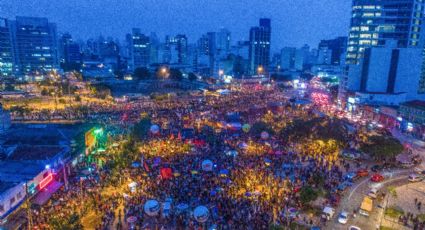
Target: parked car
[[377, 177], [351, 176], [376, 168], [373, 193], [343, 217], [344, 185], [351, 154], [354, 228], [328, 213], [419, 171], [362, 173], [415, 178]]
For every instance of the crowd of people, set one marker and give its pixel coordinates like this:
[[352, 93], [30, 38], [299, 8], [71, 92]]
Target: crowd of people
[[254, 180]]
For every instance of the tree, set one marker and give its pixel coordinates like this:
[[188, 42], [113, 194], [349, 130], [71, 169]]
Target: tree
[[141, 129], [141, 73], [44, 92], [192, 77], [308, 194], [176, 74], [382, 148], [101, 91], [67, 222], [259, 127]]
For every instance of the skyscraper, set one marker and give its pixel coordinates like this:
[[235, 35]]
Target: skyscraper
[[35, 45], [6, 55], [287, 58], [182, 49], [259, 49], [337, 46], [223, 40], [374, 22], [69, 52], [139, 49]]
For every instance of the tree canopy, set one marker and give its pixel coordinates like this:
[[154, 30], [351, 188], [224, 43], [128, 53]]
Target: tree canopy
[[259, 127], [308, 194], [176, 74], [141, 129], [141, 73], [315, 128], [382, 147]]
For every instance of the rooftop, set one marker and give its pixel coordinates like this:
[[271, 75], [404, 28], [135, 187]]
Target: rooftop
[[19, 171], [31, 152], [4, 186], [415, 104]]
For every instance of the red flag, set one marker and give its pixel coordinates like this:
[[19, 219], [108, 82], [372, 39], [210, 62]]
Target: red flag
[[146, 166], [166, 173], [179, 136]]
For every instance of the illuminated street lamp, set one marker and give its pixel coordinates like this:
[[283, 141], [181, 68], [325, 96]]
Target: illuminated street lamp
[[221, 72], [163, 72], [260, 70]]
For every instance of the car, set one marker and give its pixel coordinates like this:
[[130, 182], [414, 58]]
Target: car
[[373, 193], [377, 177], [343, 217], [414, 178], [344, 185], [351, 176], [362, 173], [352, 227], [419, 171], [376, 168]]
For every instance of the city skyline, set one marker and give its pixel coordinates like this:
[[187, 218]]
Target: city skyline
[[293, 23]]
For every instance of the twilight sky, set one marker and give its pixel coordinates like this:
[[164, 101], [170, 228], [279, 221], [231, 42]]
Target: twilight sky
[[294, 22]]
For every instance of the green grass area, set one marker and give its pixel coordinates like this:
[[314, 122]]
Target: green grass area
[[394, 212], [421, 217], [386, 228]]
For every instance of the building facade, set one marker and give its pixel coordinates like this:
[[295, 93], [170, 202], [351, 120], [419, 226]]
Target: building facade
[[337, 46], [259, 49], [139, 49], [373, 22], [35, 46], [6, 54]]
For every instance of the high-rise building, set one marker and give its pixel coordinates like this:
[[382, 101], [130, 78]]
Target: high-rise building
[[259, 50], [181, 47], [374, 22], [139, 49], [6, 54], [387, 75], [35, 45], [337, 46], [324, 56], [302, 57], [223, 40], [69, 51], [287, 58]]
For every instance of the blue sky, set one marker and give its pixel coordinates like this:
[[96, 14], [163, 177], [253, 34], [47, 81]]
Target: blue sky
[[294, 22]]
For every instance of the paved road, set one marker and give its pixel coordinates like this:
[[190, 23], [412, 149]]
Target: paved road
[[353, 198]]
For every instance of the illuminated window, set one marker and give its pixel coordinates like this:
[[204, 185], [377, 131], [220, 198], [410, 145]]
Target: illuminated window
[[365, 36], [368, 15], [364, 42], [364, 28]]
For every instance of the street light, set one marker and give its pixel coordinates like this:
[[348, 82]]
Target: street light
[[221, 72], [260, 70]]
